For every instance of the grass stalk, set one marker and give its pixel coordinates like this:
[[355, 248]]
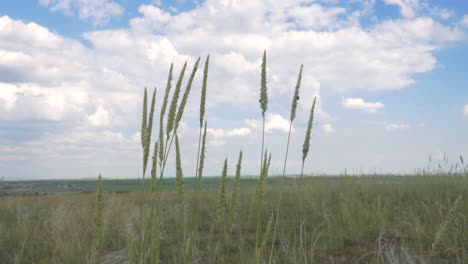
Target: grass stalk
[[180, 194], [198, 179], [99, 220], [222, 195], [146, 130], [305, 149], [235, 192], [294, 103], [153, 221]]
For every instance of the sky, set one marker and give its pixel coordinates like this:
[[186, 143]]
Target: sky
[[389, 77]]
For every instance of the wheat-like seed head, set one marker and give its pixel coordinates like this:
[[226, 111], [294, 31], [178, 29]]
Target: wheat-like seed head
[[144, 119], [203, 91], [183, 102], [161, 115], [222, 193], [235, 191], [173, 107], [179, 174], [305, 147], [263, 88], [267, 231], [296, 96], [146, 134], [150, 120], [166, 92]]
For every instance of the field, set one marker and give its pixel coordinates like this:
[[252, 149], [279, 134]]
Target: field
[[373, 219]]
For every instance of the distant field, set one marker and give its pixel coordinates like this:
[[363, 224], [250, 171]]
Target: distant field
[[50, 187], [341, 220]]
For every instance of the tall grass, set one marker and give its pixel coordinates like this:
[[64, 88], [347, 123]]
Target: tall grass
[[200, 161], [99, 220], [222, 195], [294, 103], [146, 130], [163, 146]]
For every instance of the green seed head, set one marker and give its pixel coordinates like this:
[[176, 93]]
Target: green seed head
[[263, 89], [144, 119], [179, 174], [222, 193], [235, 191], [203, 91], [305, 147], [173, 107], [183, 102], [161, 115], [296, 96]]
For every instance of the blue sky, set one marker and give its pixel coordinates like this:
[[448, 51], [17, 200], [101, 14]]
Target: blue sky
[[390, 76]]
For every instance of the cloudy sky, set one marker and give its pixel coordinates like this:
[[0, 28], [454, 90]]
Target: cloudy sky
[[390, 77]]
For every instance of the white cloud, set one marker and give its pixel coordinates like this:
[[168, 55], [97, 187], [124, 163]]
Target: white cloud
[[464, 21], [274, 123], [465, 110], [315, 16], [217, 142], [328, 128], [358, 103], [228, 133], [100, 118], [407, 7], [219, 136], [397, 126], [99, 12], [26, 101]]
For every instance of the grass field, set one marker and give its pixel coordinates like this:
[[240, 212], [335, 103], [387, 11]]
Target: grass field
[[408, 219], [50, 187]]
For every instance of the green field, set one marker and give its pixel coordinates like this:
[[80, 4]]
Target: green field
[[407, 219], [50, 187]]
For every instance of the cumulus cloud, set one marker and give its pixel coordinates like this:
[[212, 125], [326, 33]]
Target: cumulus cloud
[[220, 136], [274, 123], [227, 133], [358, 103], [465, 110], [100, 12], [100, 118]]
